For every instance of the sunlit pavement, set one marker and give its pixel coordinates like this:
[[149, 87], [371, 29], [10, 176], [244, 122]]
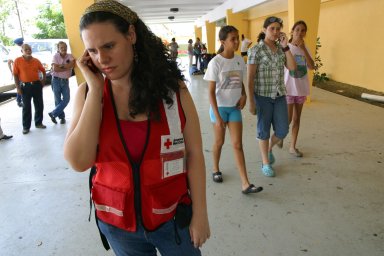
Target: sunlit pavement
[[330, 202]]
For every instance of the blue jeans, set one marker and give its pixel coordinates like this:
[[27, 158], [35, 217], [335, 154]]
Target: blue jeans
[[271, 112], [144, 243], [19, 98], [198, 60], [60, 87]]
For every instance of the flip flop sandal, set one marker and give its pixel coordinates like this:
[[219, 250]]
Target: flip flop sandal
[[252, 189], [217, 177]]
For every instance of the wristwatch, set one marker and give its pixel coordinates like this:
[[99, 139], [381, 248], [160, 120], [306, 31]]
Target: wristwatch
[[285, 49]]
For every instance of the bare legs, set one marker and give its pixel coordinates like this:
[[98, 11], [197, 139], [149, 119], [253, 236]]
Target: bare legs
[[219, 133], [294, 115], [236, 133], [266, 146], [274, 140]]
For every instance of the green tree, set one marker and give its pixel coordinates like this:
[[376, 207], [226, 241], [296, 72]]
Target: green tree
[[50, 22], [6, 8]]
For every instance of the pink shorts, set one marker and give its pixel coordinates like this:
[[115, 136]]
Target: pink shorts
[[296, 99]]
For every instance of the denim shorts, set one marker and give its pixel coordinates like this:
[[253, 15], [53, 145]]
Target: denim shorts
[[145, 243], [296, 99], [271, 112], [228, 114]]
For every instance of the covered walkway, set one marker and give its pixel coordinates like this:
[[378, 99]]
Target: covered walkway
[[328, 203]]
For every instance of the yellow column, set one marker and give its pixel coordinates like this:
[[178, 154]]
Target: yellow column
[[198, 33], [72, 11], [239, 21], [309, 11], [211, 30]]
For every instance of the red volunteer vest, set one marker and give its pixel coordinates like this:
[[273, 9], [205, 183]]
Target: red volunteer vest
[[125, 194]]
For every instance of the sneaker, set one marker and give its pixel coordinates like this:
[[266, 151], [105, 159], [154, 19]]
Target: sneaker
[[271, 157], [40, 126], [53, 118], [267, 170], [62, 121], [25, 131], [20, 104]]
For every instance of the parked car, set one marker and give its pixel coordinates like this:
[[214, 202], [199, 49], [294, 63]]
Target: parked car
[[6, 79]]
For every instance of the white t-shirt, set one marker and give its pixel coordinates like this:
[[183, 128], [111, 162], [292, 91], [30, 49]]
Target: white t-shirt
[[297, 82], [244, 45], [228, 75]]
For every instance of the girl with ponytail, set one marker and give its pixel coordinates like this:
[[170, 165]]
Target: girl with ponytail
[[227, 97]]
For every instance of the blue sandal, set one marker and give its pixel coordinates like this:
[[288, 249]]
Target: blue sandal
[[267, 170]]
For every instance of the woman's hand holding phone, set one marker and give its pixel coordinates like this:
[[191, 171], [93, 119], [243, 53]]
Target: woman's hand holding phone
[[90, 72]]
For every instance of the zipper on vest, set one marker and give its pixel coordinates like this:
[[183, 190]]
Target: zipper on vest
[[136, 179], [135, 166], [137, 193]]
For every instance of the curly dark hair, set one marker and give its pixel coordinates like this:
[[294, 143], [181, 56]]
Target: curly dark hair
[[154, 75]]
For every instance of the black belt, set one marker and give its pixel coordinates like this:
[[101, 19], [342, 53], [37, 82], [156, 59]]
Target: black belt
[[64, 79], [31, 83]]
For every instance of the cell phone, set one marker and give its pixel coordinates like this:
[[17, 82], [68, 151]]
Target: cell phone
[[93, 67]]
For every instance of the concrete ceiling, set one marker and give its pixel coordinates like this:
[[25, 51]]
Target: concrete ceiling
[[158, 11]]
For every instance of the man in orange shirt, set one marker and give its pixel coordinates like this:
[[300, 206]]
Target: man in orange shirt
[[26, 72]]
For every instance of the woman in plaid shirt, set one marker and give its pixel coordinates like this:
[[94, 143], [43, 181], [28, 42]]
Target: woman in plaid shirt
[[266, 62]]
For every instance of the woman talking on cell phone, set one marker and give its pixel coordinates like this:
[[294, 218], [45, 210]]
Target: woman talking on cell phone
[[135, 121], [266, 88], [297, 82]]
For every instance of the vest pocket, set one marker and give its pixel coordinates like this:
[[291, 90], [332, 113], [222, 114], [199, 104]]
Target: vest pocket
[[162, 200], [111, 206]]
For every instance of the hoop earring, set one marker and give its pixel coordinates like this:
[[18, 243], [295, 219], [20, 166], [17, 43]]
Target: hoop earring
[[135, 55]]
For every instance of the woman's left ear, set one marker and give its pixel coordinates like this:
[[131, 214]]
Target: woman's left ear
[[132, 34]]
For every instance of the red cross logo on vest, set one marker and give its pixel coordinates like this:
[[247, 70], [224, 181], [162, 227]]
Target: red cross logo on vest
[[168, 143]]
